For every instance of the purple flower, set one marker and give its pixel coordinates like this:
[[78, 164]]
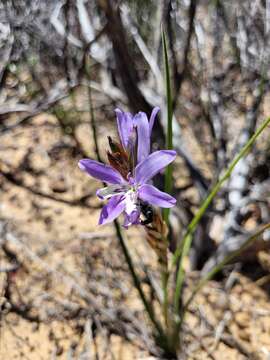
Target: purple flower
[[124, 195], [126, 189]]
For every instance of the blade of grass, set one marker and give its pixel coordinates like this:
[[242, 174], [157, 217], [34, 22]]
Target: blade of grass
[[183, 250], [169, 137], [168, 173]]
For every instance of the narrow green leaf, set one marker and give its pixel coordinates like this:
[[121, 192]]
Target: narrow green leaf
[[169, 137], [147, 305], [183, 251]]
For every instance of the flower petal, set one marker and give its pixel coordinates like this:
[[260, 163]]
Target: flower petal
[[111, 190], [100, 171], [153, 118], [112, 209], [132, 219], [141, 121], [125, 126], [156, 197], [153, 164]]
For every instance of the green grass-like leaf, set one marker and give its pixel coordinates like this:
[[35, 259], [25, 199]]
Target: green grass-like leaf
[[183, 250], [169, 137]]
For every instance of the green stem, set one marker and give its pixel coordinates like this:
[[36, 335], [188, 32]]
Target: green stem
[[169, 135], [183, 250], [165, 276], [168, 173], [149, 309]]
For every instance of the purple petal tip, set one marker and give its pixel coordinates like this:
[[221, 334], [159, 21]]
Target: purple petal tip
[[81, 166], [117, 110], [98, 195]]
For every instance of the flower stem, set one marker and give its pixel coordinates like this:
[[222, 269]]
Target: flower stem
[[169, 135], [149, 309], [168, 175], [165, 276], [183, 250]]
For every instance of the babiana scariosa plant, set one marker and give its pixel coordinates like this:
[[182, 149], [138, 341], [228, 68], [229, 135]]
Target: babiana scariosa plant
[[129, 191]]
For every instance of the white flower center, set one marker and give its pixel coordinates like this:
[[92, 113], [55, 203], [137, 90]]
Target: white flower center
[[129, 191], [131, 201]]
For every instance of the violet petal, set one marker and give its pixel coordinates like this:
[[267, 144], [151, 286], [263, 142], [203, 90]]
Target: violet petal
[[141, 121], [132, 219], [153, 196], [153, 164], [100, 171], [114, 207], [125, 126], [153, 118]]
